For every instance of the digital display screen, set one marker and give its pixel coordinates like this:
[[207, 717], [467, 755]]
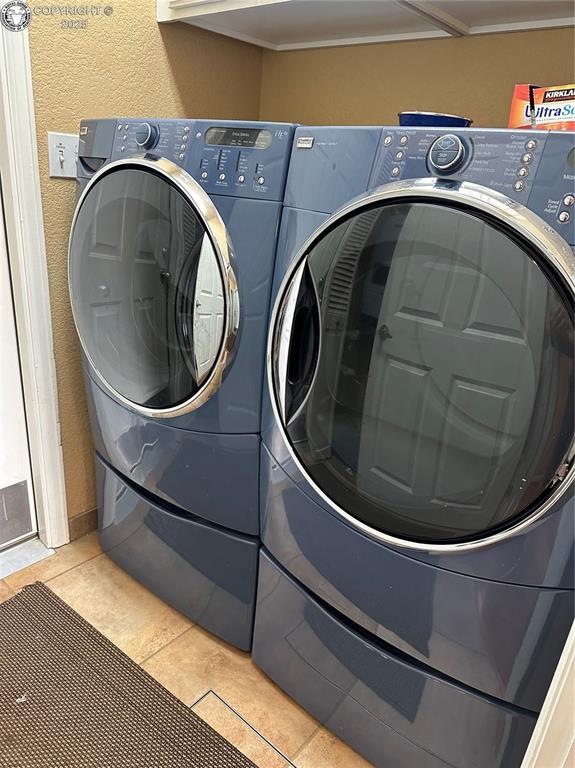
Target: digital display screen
[[238, 137], [571, 159]]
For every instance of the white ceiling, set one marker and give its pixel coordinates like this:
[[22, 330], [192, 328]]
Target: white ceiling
[[485, 13], [287, 24], [311, 20]]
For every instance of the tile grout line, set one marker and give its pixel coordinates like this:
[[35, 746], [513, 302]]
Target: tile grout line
[[87, 560], [300, 749], [173, 640], [4, 583], [73, 568], [201, 698]]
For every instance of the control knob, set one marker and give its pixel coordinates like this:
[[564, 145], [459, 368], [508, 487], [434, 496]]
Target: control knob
[[147, 135], [447, 153]]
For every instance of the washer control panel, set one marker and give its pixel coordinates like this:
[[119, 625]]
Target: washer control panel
[[226, 157], [167, 138], [536, 168]]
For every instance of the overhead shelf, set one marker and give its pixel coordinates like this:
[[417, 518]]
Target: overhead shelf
[[289, 24]]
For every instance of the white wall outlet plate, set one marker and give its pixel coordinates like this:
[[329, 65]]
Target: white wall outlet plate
[[62, 154]]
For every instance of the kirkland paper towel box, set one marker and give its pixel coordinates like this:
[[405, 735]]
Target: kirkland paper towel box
[[554, 107]]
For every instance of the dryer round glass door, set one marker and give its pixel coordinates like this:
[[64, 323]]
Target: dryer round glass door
[[152, 287], [421, 362]]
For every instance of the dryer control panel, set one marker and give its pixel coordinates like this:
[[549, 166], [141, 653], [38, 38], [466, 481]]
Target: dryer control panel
[[536, 168], [227, 157]]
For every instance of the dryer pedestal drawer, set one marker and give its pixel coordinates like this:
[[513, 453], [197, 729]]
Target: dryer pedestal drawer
[[206, 572], [395, 713]]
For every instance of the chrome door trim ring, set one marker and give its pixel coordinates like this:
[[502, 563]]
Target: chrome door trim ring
[[519, 219], [282, 350], [192, 192]]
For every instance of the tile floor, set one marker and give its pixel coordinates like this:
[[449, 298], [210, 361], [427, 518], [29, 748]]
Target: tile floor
[[221, 683]]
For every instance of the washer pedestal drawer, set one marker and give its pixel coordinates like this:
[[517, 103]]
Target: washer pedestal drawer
[[213, 476], [206, 572], [396, 713]]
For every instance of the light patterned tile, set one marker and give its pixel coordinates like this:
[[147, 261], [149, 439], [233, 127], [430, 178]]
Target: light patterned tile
[[224, 720], [198, 662], [5, 592], [63, 560], [124, 611], [324, 750]]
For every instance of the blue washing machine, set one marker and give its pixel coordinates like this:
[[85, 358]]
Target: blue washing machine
[[417, 571], [171, 262]]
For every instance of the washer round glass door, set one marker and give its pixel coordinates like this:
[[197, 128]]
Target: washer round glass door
[[421, 360], [153, 291]]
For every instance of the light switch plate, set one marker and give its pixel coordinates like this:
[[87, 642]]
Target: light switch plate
[[62, 154]]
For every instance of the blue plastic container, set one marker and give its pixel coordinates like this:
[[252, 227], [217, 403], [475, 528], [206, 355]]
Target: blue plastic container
[[433, 119]]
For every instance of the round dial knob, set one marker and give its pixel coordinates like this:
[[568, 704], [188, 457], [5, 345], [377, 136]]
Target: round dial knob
[[147, 135], [447, 153]]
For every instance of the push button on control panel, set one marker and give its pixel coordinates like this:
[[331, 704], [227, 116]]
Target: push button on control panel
[[446, 153], [448, 142]]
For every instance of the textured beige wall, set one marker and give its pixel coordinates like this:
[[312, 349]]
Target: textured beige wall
[[121, 65], [367, 84]]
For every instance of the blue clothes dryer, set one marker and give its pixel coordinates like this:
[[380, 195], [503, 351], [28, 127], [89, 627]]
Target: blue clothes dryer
[[417, 572], [171, 262]]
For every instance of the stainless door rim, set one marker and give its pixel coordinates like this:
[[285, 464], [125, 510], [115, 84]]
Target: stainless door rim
[[513, 215], [216, 230]]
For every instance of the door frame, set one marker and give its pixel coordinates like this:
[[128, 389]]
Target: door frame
[[553, 739], [19, 171]]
